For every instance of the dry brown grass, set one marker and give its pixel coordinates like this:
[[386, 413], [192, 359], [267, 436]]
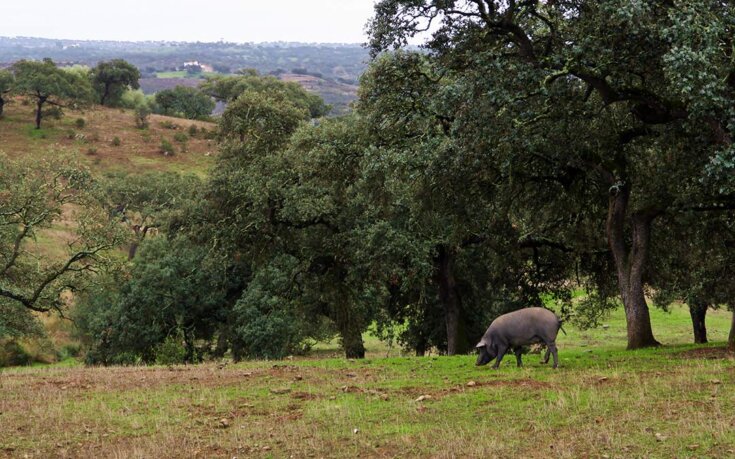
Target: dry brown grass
[[137, 152]]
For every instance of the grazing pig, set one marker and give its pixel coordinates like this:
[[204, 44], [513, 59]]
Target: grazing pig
[[517, 329]]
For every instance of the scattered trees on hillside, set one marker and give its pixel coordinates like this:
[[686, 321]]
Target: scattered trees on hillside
[[186, 102], [45, 83], [112, 78]]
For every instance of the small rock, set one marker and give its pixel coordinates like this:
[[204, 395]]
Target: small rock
[[355, 431], [423, 397], [659, 437], [471, 384], [715, 381], [224, 423], [602, 379], [693, 447], [298, 378], [266, 448], [351, 375], [605, 327]]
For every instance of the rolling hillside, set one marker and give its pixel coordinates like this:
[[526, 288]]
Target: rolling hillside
[[138, 150]]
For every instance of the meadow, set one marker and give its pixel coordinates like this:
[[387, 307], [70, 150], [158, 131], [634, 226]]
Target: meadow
[[603, 402]]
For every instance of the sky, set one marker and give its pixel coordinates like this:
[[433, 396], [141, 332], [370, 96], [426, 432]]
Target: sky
[[321, 21]]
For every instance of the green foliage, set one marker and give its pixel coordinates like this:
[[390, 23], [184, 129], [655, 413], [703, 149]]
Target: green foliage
[[34, 196], [268, 323], [45, 83], [7, 81], [173, 287], [112, 78], [263, 121], [79, 123], [12, 354], [116, 142], [172, 351], [181, 137], [141, 117], [166, 147], [185, 102], [193, 130], [228, 89]]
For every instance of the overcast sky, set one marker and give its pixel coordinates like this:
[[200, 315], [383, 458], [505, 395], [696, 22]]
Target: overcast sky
[[334, 21]]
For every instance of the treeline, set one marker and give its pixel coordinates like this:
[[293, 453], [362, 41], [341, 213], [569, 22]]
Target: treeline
[[534, 151], [332, 61]]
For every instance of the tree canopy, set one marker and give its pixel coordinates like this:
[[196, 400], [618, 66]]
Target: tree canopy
[[186, 102], [45, 83], [112, 78]]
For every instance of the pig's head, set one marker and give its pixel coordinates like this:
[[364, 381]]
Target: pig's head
[[486, 352]]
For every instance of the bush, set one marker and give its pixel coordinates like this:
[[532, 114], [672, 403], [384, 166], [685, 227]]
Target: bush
[[166, 124], [12, 354], [92, 151], [181, 137], [141, 117], [193, 130], [166, 147], [70, 134], [171, 351], [116, 142], [80, 123]]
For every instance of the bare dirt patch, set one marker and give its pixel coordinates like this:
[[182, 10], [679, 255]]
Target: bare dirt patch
[[707, 353]]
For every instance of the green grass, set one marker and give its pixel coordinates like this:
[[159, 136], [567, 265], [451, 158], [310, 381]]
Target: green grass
[[603, 401]]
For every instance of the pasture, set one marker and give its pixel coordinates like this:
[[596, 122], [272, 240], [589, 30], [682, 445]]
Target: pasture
[[603, 401]]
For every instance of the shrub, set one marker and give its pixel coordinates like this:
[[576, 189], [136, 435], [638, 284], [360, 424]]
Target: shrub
[[171, 351], [12, 354], [166, 147], [92, 151], [70, 134], [146, 137], [80, 123], [193, 130], [116, 142], [166, 124], [181, 137], [141, 117]]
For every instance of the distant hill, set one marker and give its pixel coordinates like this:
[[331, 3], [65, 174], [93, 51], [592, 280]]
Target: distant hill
[[332, 70]]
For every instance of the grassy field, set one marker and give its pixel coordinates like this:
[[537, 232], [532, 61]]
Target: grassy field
[[603, 401]]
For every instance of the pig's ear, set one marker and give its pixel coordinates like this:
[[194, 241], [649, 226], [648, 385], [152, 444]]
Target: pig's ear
[[480, 344]]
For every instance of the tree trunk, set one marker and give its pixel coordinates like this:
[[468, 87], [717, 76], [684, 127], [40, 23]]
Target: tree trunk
[[106, 94], [352, 340], [451, 301], [698, 311], [731, 338], [39, 108], [630, 265], [2, 105], [350, 330], [133, 249]]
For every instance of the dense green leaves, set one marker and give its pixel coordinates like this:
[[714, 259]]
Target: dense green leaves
[[227, 89], [44, 82], [185, 102], [112, 78], [32, 199]]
